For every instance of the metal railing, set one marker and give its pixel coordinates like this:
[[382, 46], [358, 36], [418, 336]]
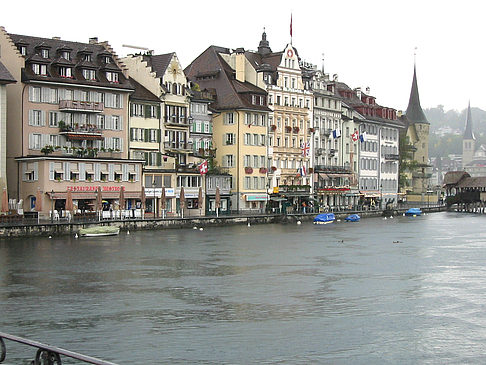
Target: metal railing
[[47, 354]]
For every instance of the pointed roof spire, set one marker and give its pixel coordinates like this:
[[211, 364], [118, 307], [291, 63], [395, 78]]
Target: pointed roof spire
[[264, 46], [414, 112], [468, 133]]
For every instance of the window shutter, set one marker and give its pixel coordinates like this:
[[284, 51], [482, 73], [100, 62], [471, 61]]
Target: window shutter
[[158, 111], [67, 171], [125, 172], [146, 111], [149, 159], [137, 172], [121, 145], [31, 141], [43, 118], [132, 134], [159, 159], [36, 171], [159, 135], [146, 158], [120, 124], [146, 135], [111, 172], [24, 170], [51, 171], [82, 171]]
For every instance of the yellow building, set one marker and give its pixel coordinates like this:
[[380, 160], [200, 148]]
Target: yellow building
[[240, 115]]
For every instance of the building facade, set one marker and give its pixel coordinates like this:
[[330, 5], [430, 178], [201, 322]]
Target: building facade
[[71, 106]]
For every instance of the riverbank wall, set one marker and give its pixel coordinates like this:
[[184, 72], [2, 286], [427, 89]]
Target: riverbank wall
[[71, 228]]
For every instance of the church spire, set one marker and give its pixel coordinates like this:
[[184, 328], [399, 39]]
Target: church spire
[[414, 112], [468, 133], [264, 46]]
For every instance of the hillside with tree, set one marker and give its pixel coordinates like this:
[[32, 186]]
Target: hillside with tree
[[447, 127]]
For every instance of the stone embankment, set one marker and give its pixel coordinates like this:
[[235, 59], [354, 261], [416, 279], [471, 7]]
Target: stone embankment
[[66, 228]]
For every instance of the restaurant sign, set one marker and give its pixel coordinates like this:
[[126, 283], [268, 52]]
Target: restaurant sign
[[92, 188]]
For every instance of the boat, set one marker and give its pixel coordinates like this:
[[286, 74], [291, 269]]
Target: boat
[[352, 218], [324, 218], [99, 231], [413, 212]]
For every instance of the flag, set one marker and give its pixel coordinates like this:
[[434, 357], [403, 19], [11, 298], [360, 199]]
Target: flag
[[203, 167], [336, 133], [305, 148], [355, 136], [290, 25], [363, 137], [303, 171]]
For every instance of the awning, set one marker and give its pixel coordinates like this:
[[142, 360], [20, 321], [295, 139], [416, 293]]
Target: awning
[[277, 199], [323, 176]]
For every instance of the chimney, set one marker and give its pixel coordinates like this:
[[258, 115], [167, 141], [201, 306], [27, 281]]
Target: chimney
[[93, 40], [358, 92], [368, 90], [240, 66], [56, 38], [335, 77]]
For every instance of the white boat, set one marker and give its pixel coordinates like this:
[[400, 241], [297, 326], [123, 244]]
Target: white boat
[[99, 231]]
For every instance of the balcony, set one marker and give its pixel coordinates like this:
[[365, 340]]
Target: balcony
[[81, 106], [332, 169], [176, 121], [83, 132], [178, 146], [326, 131], [392, 157]]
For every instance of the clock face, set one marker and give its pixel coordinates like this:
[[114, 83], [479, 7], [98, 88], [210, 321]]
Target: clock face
[[290, 53]]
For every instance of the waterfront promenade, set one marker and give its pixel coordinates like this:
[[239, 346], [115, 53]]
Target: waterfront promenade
[[32, 227]]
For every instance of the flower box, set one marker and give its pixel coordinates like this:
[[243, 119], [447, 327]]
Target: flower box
[[273, 127], [288, 129], [296, 129], [249, 170], [263, 170]]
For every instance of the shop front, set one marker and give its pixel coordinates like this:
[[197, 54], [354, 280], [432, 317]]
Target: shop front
[[255, 202]]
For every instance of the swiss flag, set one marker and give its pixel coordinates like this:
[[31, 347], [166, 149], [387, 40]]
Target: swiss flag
[[203, 167], [355, 136]]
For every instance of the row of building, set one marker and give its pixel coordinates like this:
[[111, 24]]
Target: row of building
[[276, 131]]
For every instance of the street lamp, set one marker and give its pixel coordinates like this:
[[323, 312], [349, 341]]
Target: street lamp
[[381, 195], [52, 206]]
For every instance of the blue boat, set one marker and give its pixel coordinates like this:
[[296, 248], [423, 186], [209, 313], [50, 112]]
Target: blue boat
[[324, 218], [413, 212], [352, 218]]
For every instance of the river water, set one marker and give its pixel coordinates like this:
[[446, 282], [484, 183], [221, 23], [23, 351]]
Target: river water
[[344, 293]]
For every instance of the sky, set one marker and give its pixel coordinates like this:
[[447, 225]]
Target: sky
[[366, 43]]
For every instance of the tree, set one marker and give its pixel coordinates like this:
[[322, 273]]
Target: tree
[[406, 163]]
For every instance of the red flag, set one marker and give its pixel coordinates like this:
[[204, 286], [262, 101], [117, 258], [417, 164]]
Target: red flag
[[203, 167], [355, 136], [291, 25]]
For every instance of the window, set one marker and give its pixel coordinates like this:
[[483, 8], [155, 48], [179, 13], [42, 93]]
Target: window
[[53, 119], [228, 161], [89, 74], [112, 77], [44, 53], [39, 69], [229, 118], [247, 182], [87, 58], [36, 118], [65, 71], [66, 55], [23, 50], [229, 138], [116, 120]]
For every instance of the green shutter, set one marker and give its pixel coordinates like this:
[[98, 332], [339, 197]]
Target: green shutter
[[146, 110], [158, 111], [146, 157], [159, 159], [159, 135], [146, 135]]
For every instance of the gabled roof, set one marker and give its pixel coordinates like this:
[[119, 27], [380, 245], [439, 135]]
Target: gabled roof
[[78, 50], [414, 112], [5, 76], [141, 93], [159, 63], [472, 182], [453, 177], [210, 71], [468, 133]]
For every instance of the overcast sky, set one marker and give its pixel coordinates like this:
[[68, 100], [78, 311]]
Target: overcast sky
[[367, 43]]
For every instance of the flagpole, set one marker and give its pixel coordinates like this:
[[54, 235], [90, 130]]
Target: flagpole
[[290, 28]]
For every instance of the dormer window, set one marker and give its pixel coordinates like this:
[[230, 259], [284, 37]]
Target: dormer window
[[23, 50], [66, 55], [65, 71], [112, 77], [89, 74], [87, 58], [39, 69], [106, 59], [44, 53]]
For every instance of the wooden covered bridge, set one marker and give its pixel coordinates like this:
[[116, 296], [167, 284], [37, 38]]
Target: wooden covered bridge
[[465, 193]]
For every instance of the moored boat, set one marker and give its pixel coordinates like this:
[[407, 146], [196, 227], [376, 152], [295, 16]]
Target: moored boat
[[324, 218], [352, 218], [99, 231], [413, 212]]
